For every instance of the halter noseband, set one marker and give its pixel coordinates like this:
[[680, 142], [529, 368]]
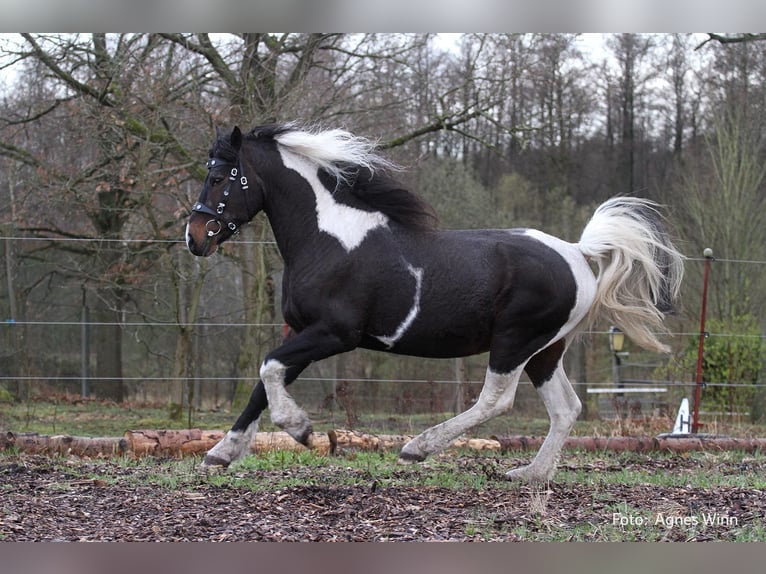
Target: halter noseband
[[218, 218]]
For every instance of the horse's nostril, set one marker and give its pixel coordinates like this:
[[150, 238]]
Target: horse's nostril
[[192, 245], [189, 239]]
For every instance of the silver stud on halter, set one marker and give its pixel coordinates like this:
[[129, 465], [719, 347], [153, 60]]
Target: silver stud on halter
[[210, 232]]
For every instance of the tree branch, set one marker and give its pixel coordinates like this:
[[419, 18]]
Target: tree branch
[[65, 76], [33, 118], [720, 38], [18, 154], [206, 49], [441, 123]]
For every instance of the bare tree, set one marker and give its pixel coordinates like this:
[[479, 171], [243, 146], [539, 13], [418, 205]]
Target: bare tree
[[631, 51], [724, 207], [98, 126], [732, 39]]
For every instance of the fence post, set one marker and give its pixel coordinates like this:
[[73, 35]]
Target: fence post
[[708, 253], [84, 346], [459, 380]]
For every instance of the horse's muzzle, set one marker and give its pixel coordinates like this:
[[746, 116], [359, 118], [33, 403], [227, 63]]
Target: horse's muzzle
[[202, 236]]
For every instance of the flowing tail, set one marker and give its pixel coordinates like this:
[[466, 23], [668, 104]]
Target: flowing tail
[[639, 270]]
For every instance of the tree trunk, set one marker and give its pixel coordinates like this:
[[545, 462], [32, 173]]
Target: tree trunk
[[107, 345], [258, 297], [189, 278], [17, 334]]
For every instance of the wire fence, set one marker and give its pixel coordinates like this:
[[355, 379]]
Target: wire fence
[[241, 241], [216, 379]]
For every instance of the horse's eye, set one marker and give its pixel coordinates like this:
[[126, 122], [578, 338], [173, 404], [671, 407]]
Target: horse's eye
[[215, 179]]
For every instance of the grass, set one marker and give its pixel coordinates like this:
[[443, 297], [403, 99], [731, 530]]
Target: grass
[[74, 416], [703, 470], [98, 418]]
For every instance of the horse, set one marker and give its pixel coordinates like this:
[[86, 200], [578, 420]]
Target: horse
[[366, 265]]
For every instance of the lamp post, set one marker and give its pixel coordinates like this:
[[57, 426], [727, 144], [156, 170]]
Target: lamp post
[[616, 344]]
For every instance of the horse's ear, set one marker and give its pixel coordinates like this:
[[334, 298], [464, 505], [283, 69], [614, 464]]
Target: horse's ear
[[236, 138]]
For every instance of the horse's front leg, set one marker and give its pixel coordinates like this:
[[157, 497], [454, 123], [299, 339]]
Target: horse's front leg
[[236, 443], [283, 365], [280, 368], [285, 413]]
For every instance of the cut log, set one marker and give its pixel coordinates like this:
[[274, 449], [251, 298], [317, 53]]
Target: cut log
[[268, 441], [341, 439], [178, 443], [64, 444], [639, 444], [197, 442], [171, 442], [480, 444]]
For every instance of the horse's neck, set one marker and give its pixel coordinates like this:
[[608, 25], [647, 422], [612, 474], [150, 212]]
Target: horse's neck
[[294, 227], [301, 215]]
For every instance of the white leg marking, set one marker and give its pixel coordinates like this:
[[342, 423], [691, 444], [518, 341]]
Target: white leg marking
[[390, 340], [496, 397], [284, 412], [233, 446], [563, 408], [347, 224]]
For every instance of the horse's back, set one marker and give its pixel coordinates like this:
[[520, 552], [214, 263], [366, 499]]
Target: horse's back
[[476, 282]]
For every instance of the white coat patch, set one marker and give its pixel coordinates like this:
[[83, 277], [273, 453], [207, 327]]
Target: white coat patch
[[583, 276], [390, 340], [347, 224]]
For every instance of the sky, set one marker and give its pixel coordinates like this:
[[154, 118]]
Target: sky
[[592, 44], [389, 16]]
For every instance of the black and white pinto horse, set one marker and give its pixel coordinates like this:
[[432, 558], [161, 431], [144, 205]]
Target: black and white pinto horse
[[365, 266]]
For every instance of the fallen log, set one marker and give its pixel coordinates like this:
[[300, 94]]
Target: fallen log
[[269, 441], [480, 444], [171, 442], [672, 443], [178, 443], [341, 439], [64, 444], [195, 441]]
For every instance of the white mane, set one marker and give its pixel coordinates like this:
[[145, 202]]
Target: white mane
[[330, 149]]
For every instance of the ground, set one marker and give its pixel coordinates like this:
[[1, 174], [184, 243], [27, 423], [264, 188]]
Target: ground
[[458, 498]]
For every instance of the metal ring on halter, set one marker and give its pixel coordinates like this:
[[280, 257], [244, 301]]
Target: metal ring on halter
[[210, 232]]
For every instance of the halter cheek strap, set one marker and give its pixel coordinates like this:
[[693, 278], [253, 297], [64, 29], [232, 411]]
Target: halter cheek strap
[[214, 226]]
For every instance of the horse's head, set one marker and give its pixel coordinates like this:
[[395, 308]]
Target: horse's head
[[230, 197]]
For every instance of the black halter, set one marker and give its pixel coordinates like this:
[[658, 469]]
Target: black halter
[[218, 217]]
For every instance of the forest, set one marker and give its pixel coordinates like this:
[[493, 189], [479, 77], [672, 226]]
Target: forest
[[103, 142]]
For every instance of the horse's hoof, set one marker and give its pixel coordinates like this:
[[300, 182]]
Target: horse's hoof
[[212, 462], [410, 458], [525, 474], [297, 426], [304, 437]]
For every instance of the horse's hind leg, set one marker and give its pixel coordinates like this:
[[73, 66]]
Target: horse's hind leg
[[496, 397], [563, 406]]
